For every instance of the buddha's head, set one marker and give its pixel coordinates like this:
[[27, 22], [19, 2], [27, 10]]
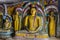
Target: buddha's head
[[17, 13], [33, 11], [17, 10], [7, 19], [51, 13]]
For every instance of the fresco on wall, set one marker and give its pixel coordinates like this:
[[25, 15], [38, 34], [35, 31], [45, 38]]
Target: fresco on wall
[[31, 18]]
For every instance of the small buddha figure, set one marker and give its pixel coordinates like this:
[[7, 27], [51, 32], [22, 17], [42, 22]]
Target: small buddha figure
[[10, 9], [32, 22], [52, 24], [17, 21], [51, 2], [45, 3], [7, 24]]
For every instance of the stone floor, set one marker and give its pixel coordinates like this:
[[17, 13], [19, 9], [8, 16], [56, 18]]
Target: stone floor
[[52, 38]]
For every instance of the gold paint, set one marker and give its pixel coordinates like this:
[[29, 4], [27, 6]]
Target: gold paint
[[34, 21], [31, 35], [10, 10], [17, 21], [52, 25]]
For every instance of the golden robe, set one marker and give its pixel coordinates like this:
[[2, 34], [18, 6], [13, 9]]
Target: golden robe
[[52, 26], [32, 23], [17, 23]]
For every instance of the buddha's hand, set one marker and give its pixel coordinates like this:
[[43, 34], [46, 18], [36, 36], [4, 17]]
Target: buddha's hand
[[32, 31], [8, 30], [39, 29]]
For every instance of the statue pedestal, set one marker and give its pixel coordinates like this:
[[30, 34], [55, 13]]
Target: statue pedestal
[[31, 35]]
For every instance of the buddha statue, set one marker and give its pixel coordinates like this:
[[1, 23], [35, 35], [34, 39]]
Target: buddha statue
[[45, 3], [7, 24], [10, 10], [51, 24], [32, 22], [17, 21]]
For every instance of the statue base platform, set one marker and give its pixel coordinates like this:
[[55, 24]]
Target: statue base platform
[[31, 35]]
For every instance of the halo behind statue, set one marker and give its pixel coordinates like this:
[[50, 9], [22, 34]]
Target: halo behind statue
[[50, 8], [10, 18], [37, 5]]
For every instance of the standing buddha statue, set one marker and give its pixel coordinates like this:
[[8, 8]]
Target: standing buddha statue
[[52, 24], [17, 21]]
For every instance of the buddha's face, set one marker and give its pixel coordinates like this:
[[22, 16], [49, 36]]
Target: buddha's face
[[7, 20], [33, 11], [52, 13], [17, 13]]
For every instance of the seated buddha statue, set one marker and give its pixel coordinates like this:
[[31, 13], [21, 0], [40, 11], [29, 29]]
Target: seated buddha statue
[[7, 24], [32, 22]]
